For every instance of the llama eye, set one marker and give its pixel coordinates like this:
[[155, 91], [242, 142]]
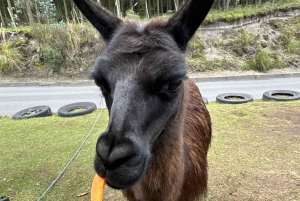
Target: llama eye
[[174, 85]]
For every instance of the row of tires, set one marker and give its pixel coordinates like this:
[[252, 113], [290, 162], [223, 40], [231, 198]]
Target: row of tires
[[82, 108], [71, 110], [237, 98]]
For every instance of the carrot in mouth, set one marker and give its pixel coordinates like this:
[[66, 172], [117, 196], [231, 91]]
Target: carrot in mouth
[[97, 188]]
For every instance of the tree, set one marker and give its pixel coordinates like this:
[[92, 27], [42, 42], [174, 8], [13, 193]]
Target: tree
[[118, 8], [227, 5], [10, 10], [29, 12], [37, 11], [2, 19], [11, 13], [66, 11]]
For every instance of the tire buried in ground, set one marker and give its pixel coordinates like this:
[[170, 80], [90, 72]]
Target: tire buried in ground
[[77, 109], [4, 198], [234, 98], [37, 111], [281, 95]]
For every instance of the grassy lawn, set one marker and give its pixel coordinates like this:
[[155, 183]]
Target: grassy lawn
[[254, 154]]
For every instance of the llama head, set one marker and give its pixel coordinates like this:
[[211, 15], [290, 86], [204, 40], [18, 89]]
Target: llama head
[[140, 74]]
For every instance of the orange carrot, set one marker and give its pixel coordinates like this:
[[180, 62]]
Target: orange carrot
[[97, 188]]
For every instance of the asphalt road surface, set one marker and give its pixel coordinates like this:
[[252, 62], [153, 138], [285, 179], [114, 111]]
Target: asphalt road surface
[[14, 99]]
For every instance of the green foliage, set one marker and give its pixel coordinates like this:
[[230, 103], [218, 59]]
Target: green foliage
[[54, 47], [21, 29], [240, 42], [217, 42], [38, 64], [47, 11], [290, 34], [263, 61], [199, 63], [196, 47], [9, 58], [56, 36], [53, 41], [237, 48], [196, 44], [247, 11], [275, 24], [294, 46], [21, 41], [131, 14], [53, 57]]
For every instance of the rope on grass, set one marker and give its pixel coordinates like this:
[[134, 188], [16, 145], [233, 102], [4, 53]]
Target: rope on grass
[[74, 156]]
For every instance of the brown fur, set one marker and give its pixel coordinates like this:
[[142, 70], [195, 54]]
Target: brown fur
[[178, 170], [138, 71]]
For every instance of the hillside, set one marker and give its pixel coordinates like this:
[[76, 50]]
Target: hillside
[[40, 54], [259, 46]]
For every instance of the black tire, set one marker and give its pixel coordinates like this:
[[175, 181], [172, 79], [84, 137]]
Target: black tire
[[287, 95], [234, 98], [205, 100], [4, 198], [37, 111], [83, 107]]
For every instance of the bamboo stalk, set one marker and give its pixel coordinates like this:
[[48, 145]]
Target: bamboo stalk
[[147, 12], [37, 12], [12, 19], [2, 19], [2, 33], [118, 8], [66, 10]]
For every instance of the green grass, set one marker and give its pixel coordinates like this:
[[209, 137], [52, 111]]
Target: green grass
[[255, 151], [254, 154], [249, 11], [20, 29]]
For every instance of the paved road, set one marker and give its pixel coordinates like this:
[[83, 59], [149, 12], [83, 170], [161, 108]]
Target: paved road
[[256, 88], [14, 99]]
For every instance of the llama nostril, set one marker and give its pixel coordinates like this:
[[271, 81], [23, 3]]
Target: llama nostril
[[119, 156], [114, 155], [102, 151], [117, 162]]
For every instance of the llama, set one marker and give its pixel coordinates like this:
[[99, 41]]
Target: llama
[[159, 131]]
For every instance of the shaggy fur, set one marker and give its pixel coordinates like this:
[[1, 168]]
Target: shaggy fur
[[155, 146], [178, 170]]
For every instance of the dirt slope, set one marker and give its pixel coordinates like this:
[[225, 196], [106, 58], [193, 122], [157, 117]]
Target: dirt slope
[[269, 46]]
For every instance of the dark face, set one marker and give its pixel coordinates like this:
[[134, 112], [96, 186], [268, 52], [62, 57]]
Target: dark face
[[142, 86], [140, 74]]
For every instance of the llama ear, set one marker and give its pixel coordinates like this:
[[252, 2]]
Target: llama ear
[[103, 20], [187, 19]]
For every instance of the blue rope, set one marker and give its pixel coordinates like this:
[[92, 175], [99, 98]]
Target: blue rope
[[71, 160]]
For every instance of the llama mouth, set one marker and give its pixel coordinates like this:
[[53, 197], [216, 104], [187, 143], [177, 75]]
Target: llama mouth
[[124, 177]]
